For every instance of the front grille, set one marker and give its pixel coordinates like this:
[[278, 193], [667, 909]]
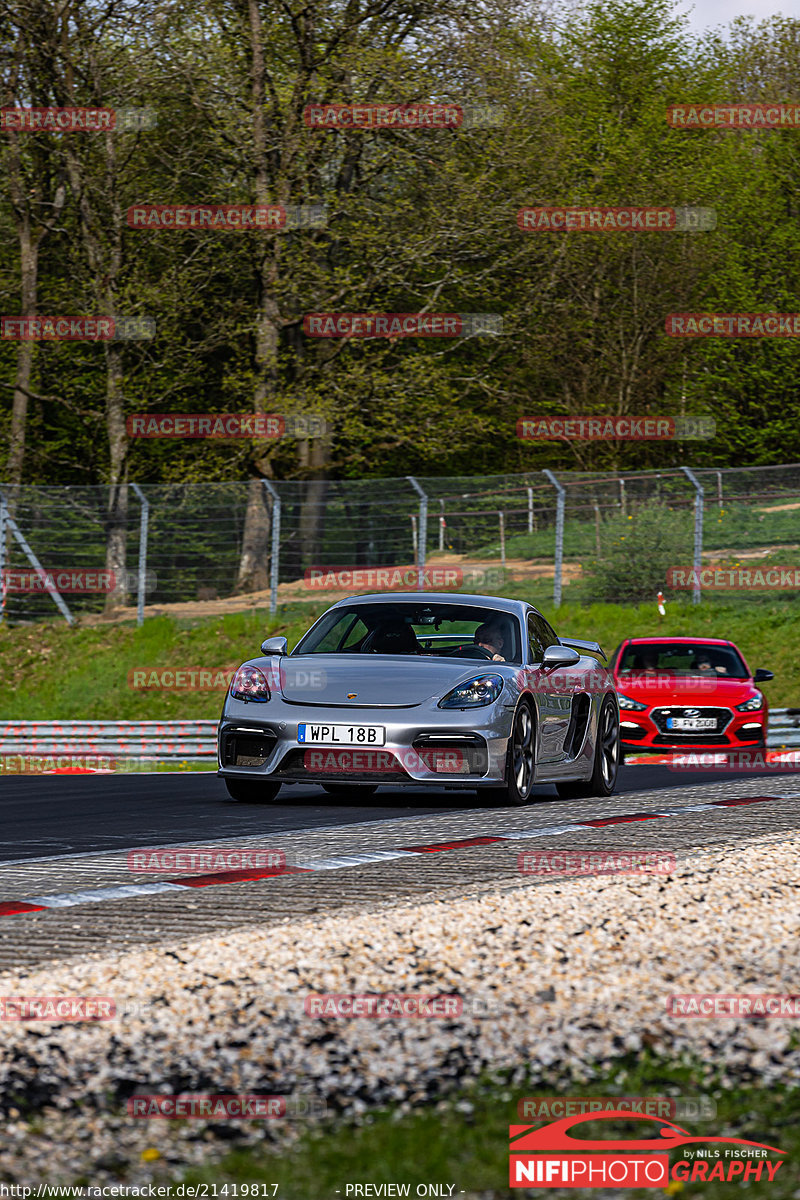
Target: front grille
[[691, 739], [462, 754], [722, 716], [247, 749], [329, 763], [446, 755]]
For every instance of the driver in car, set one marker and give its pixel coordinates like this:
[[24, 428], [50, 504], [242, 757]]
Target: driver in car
[[490, 637], [704, 664]]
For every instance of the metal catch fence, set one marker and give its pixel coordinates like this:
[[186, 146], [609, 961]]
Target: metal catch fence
[[82, 550]]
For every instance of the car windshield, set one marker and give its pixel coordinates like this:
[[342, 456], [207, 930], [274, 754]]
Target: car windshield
[[435, 630], [682, 659]]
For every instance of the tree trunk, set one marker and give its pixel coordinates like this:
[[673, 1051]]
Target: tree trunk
[[314, 453], [253, 564], [117, 514], [254, 559], [29, 265]]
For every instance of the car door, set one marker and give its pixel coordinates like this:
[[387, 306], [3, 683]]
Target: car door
[[554, 700]]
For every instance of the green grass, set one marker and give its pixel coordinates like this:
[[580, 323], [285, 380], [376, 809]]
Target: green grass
[[463, 1140], [733, 527], [49, 671]]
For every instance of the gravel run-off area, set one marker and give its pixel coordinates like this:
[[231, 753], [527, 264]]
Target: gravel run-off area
[[558, 981]]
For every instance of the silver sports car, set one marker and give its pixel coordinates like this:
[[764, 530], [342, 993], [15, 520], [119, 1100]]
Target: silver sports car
[[412, 688]]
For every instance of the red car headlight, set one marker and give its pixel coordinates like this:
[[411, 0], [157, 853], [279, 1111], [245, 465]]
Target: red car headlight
[[755, 703]]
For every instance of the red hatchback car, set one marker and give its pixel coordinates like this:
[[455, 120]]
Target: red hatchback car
[[678, 692]]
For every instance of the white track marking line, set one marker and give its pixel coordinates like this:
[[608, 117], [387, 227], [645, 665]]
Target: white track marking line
[[544, 832], [68, 899], [354, 860], [676, 812]]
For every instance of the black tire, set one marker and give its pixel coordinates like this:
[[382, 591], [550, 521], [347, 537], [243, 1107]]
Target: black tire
[[606, 759], [520, 761], [346, 789], [251, 791]]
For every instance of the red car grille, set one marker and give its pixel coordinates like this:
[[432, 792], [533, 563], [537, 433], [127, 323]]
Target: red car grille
[[722, 718]]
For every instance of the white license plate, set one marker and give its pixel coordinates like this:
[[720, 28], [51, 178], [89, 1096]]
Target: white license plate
[[691, 723], [341, 735]]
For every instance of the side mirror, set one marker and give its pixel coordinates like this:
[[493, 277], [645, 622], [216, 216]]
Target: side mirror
[[761, 676], [560, 656], [276, 645]]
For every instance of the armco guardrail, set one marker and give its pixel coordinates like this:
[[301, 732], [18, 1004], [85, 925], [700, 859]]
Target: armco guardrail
[[197, 740], [784, 727], [142, 740]]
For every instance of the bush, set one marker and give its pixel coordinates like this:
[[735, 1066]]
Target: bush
[[638, 550]]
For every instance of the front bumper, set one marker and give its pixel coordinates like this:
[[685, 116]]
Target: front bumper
[[453, 747]]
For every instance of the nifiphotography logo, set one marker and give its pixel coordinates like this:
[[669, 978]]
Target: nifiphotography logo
[[553, 1156]]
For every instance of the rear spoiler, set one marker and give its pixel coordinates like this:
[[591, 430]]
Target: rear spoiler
[[582, 644]]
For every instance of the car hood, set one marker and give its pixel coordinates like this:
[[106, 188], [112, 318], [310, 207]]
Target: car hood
[[684, 690], [378, 680]]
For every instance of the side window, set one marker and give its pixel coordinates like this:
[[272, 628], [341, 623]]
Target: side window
[[344, 634], [546, 635], [534, 640], [355, 635]]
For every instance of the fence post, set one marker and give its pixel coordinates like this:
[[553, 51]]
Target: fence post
[[442, 524], [3, 533], [559, 537], [423, 530], [623, 502], [50, 588], [719, 488], [698, 532], [530, 510], [502, 517], [274, 562], [143, 530]]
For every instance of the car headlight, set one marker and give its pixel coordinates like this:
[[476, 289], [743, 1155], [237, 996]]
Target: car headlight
[[250, 684], [631, 705], [474, 693], [753, 704]]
